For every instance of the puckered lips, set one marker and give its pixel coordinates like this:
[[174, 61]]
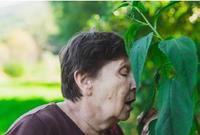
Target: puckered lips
[[129, 102]]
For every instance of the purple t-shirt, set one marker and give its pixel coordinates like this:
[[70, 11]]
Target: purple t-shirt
[[50, 120]]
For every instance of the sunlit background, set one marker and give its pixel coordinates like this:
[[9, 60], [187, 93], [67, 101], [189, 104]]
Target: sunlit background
[[32, 33]]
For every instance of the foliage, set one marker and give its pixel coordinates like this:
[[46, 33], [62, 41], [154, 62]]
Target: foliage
[[176, 72], [73, 17], [176, 98], [138, 56], [14, 69], [70, 18]]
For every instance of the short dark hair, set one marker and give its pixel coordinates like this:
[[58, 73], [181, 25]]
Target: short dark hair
[[87, 52]]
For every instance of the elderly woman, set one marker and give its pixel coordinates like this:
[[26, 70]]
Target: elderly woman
[[97, 85]]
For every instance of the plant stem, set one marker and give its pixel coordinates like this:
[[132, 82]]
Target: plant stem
[[148, 23], [140, 22]]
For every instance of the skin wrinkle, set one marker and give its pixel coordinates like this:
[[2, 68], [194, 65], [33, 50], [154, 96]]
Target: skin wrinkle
[[122, 94]]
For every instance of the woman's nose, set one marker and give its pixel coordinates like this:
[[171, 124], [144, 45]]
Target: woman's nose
[[132, 82], [132, 87]]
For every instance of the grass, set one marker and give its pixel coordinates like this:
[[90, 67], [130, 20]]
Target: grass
[[30, 90]]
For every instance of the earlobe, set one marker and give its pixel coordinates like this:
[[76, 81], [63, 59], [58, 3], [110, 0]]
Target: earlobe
[[89, 87], [89, 84], [89, 93]]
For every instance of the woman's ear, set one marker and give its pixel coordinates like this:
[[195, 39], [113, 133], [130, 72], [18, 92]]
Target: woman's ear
[[84, 83]]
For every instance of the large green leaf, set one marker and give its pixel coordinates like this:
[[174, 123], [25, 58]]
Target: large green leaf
[[138, 56], [175, 108], [182, 54], [175, 99]]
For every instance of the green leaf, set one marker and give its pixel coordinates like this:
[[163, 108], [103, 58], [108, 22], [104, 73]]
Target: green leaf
[[160, 10], [138, 56], [176, 108], [152, 127], [182, 54], [175, 98], [123, 4], [139, 5], [133, 13], [130, 36], [156, 56]]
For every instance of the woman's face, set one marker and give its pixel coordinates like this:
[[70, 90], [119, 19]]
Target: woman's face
[[114, 90]]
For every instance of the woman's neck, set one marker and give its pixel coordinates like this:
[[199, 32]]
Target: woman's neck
[[81, 117]]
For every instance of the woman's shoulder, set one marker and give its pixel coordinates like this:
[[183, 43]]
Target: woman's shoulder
[[25, 125], [33, 119], [46, 119]]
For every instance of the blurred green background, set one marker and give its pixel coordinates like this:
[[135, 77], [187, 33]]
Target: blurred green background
[[32, 33]]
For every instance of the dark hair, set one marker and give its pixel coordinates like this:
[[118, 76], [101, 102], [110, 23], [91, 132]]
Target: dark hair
[[87, 52]]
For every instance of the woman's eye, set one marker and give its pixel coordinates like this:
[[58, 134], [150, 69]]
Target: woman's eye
[[124, 71]]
